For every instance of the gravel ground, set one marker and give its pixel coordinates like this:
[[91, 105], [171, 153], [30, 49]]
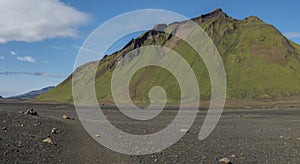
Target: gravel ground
[[21, 139], [242, 136]]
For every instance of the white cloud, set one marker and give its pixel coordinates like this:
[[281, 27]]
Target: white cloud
[[2, 57], [13, 53], [45, 62], [292, 35], [36, 20], [26, 59]]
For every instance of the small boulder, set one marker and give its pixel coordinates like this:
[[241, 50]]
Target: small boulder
[[20, 144], [184, 130], [67, 117], [48, 140], [31, 112], [54, 131], [225, 161], [233, 156]]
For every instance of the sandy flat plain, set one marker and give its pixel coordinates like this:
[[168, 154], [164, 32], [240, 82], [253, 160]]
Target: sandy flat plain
[[242, 135]]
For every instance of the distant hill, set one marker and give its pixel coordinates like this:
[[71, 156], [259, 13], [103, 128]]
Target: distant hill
[[31, 94], [259, 61]]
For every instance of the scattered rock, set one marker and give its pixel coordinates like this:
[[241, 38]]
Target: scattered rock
[[233, 156], [225, 161], [184, 130], [54, 131], [48, 140], [298, 139], [20, 144], [97, 135], [4, 128], [281, 137], [67, 117], [31, 112], [288, 138]]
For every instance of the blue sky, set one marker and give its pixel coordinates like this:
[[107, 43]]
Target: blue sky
[[39, 39]]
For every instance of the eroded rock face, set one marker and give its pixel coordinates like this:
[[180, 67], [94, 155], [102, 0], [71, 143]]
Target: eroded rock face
[[160, 27]]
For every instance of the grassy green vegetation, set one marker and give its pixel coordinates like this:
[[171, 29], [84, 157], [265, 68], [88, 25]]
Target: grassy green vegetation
[[260, 63]]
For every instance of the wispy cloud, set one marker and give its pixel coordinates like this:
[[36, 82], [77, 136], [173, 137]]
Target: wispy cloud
[[41, 74], [57, 47], [2, 57], [46, 19], [292, 35], [13, 53], [26, 59], [85, 49], [45, 62]]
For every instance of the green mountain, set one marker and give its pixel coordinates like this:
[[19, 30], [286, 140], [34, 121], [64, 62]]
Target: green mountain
[[260, 63]]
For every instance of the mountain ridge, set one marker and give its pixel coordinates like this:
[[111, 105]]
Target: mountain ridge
[[32, 94], [259, 61]]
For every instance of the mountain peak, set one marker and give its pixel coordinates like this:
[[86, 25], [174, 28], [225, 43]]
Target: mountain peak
[[217, 13], [218, 10], [253, 19]]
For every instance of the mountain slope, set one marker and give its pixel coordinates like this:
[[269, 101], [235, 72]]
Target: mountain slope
[[32, 94], [260, 63]]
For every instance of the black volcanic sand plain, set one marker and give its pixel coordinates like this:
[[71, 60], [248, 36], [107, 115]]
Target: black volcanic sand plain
[[242, 135]]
